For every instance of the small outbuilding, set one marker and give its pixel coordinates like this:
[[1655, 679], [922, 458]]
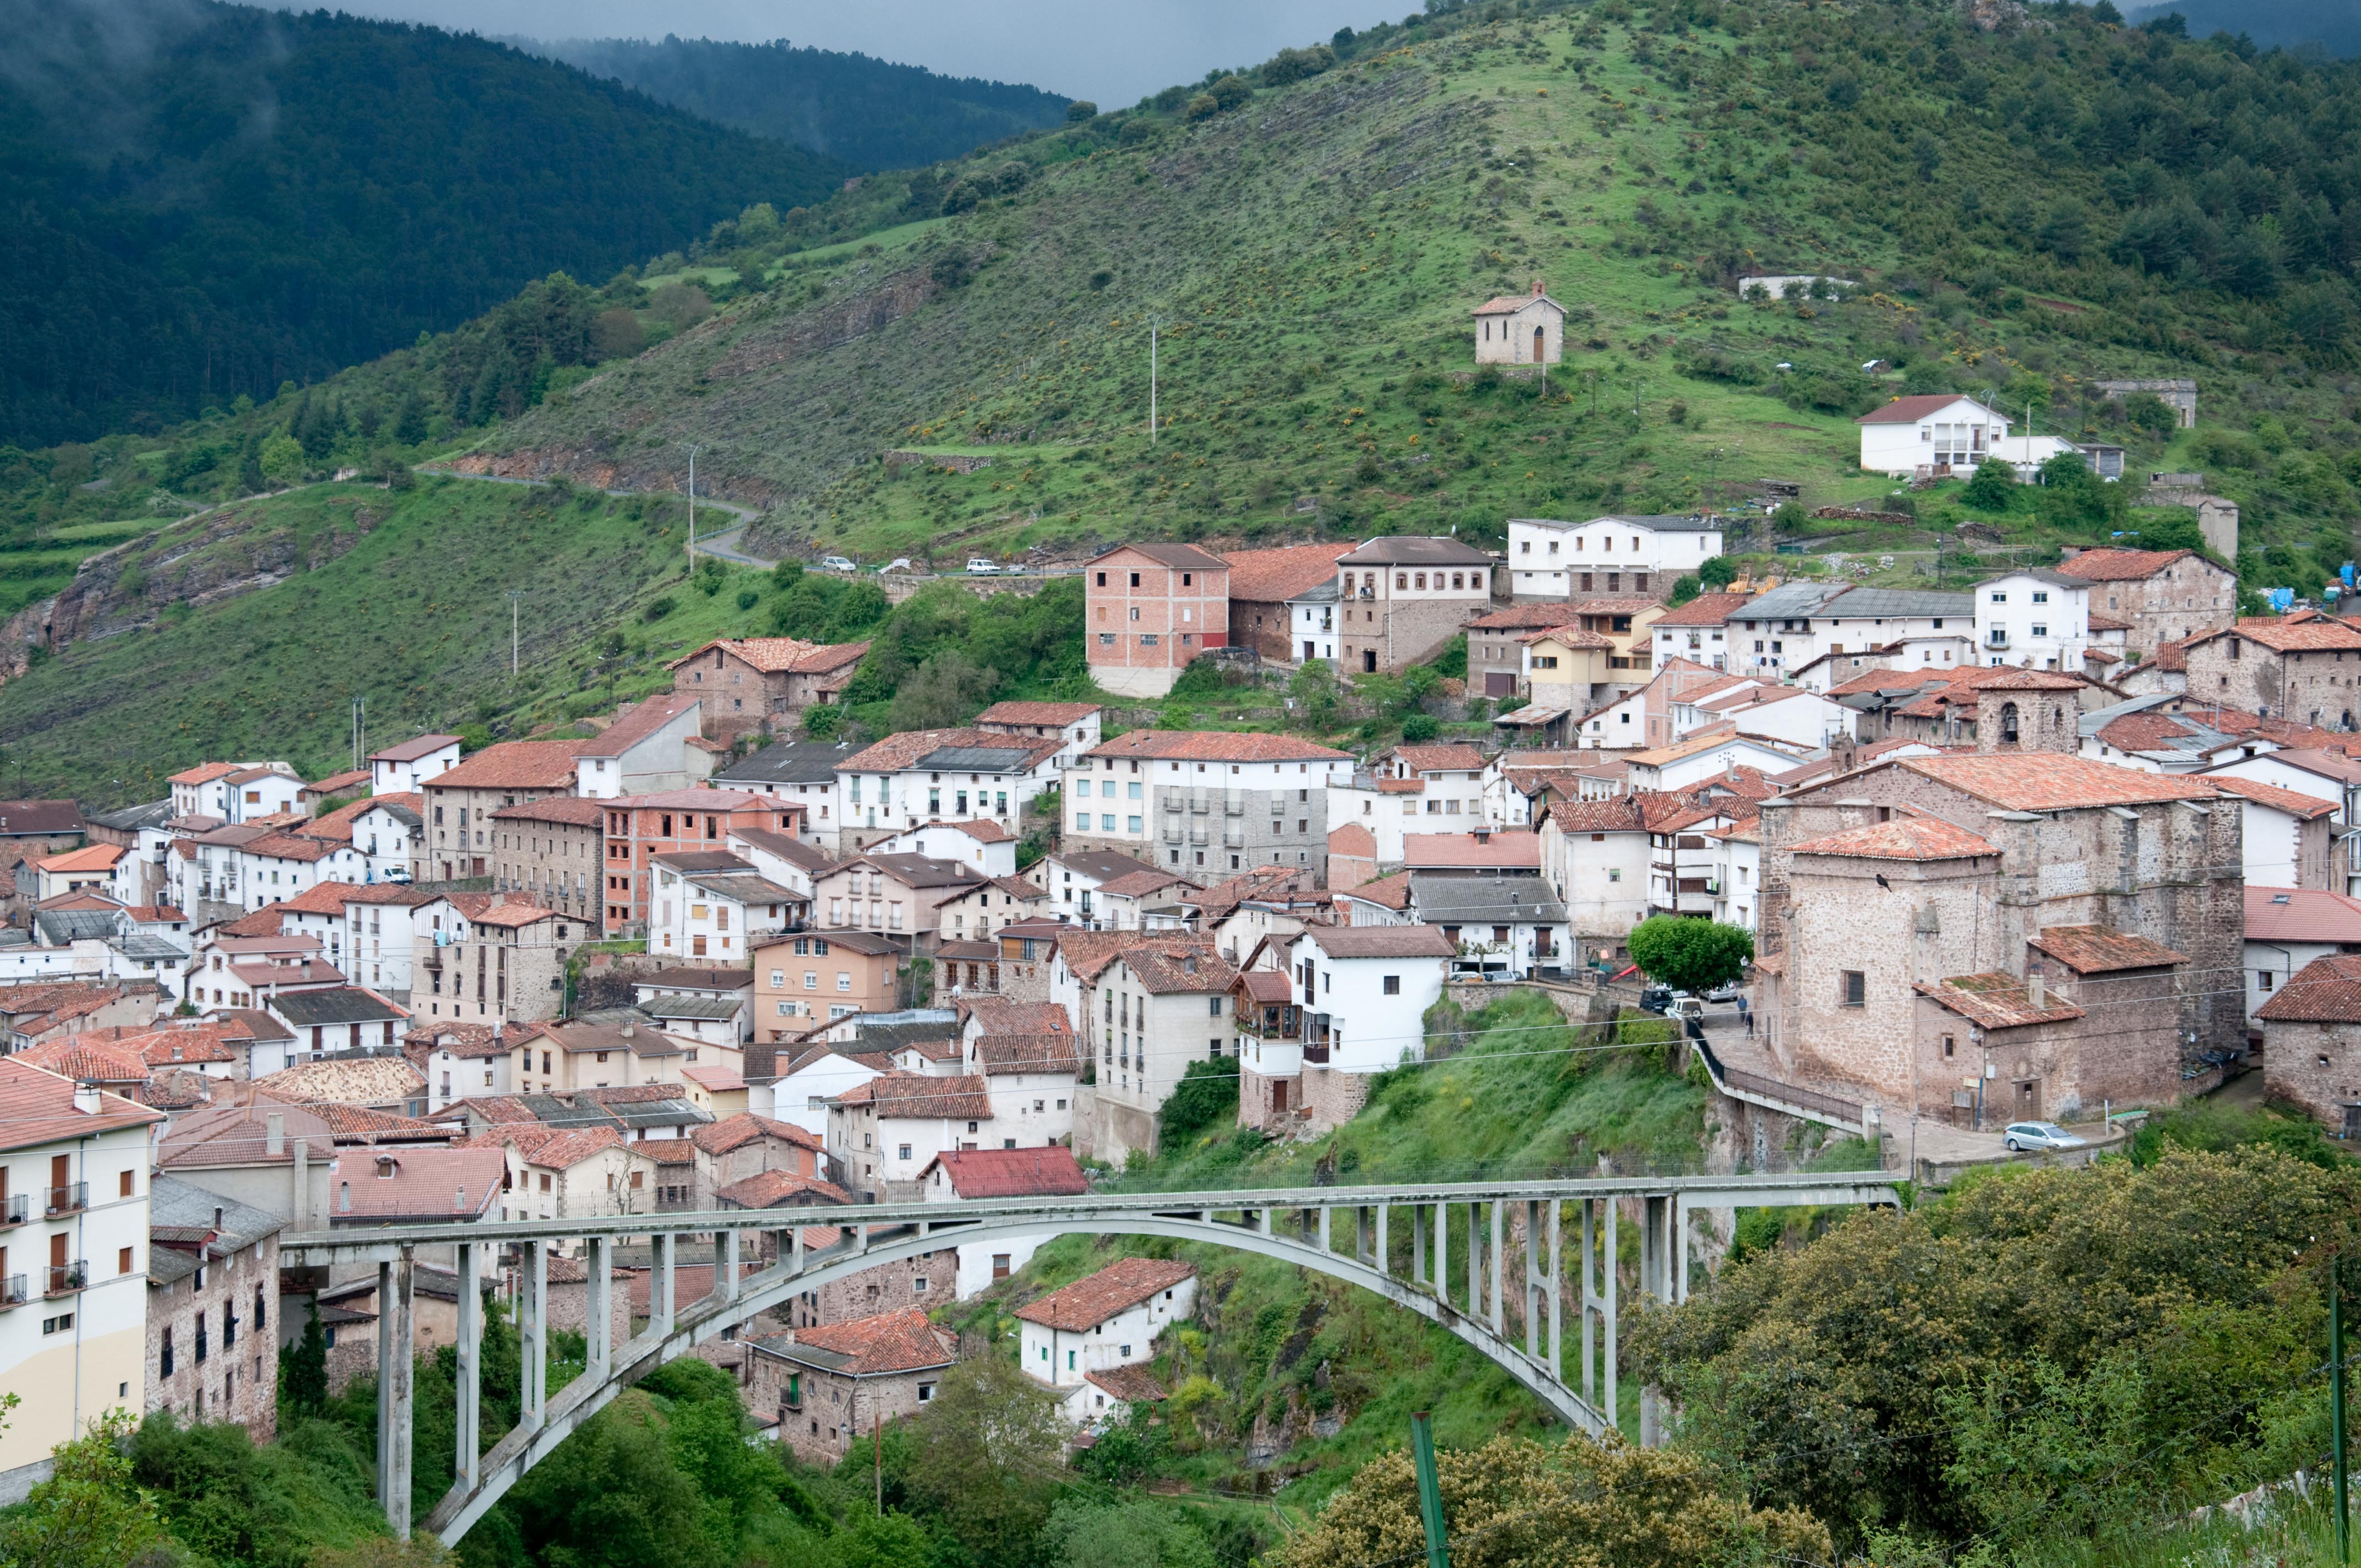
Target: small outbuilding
[[1515, 329]]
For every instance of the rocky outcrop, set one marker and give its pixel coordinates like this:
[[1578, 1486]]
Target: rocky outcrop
[[215, 555]]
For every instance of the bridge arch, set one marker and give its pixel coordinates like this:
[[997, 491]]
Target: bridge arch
[[1304, 1227]]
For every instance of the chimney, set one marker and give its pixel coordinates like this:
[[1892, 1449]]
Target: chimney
[[1537, 288], [217, 1216], [302, 1170], [2037, 988], [274, 1135], [85, 1101], [388, 1167]]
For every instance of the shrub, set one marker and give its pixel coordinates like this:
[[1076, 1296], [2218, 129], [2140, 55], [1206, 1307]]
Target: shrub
[[749, 597], [1080, 109], [1205, 1098], [1993, 488], [1418, 727], [1204, 106], [658, 608], [1296, 64]]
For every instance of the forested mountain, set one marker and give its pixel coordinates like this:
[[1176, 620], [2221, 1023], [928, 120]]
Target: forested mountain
[[205, 201], [2333, 25], [867, 112]]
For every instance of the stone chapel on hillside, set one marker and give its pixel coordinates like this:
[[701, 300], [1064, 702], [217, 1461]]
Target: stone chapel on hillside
[[1521, 330]]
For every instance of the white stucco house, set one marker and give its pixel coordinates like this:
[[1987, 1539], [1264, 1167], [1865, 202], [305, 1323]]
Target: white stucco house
[[1520, 329], [2038, 620], [1107, 1320], [1936, 433], [964, 1176], [1552, 559]]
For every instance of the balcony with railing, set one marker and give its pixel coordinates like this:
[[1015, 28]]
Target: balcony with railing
[[14, 1291], [15, 1209], [73, 1197], [66, 1278]]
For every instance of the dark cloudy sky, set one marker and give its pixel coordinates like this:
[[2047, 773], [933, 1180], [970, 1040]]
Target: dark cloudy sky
[[1113, 52]]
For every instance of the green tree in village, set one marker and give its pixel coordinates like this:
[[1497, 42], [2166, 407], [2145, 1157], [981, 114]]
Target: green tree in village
[[303, 1374], [282, 461], [989, 1453], [1695, 956], [88, 1514]]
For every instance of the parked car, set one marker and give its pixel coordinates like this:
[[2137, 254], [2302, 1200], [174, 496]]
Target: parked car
[[1656, 998], [1725, 993], [836, 563], [979, 567], [2040, 1136], [1685, 1007]]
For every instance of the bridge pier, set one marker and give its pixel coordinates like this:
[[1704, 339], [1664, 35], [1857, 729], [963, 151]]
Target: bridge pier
[[466, 1465], [396, 1280]]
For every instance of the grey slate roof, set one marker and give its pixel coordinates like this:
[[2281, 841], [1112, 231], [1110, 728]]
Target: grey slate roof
[[146, 949], [789, 762], [711, 1007], [1323, 592], [131, 819], [976, 759], [1792, 600], [181, 1207], [1838, 600], [1441, 900], [345, 1004], [1405, 550], [61, 927]]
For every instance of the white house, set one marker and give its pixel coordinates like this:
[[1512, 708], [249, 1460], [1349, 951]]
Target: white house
[[809, 1080], [980, 843], [705, 910], [388, 836], [2035, 620], [462, 1061], [1598, 855], [1111, 1319], [1551, 559], [1736, 882], [365, 930], [236, 791], [1365, 991], [75, 1342], [1312, 622], [715, 1006], [1029, 1058], [2288, 927], [940, 775], [1075, 726], [1709, 753], [655, 746], [883, 1133], [1520, 329], [964, 1176], [1072, 879], [1942, 432], [400, 770], [1154, 1012], [1799, 623]]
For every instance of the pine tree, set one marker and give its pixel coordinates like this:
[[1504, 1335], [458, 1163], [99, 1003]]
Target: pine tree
[[304, 1373], [410, 425]]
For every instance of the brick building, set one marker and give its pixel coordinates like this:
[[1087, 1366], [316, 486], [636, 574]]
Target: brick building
[[2303, 667], [1148, 611], [2312, 1033], [828, 1385], [763, 685], [213, 1289], [1402, 599], [674, 822], [2163, 596], [1262, 584]]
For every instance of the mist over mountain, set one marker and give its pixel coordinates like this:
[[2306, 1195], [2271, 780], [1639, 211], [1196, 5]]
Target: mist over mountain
[[867, 112], [207, 200], [2333, 25]]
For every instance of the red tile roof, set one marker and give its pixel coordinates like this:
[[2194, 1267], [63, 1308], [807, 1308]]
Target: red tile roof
[[1911, 409], [1087, 953], [2301, 915], [1187, 555], [736, 1132], [1507, 850], [2326, 991], [1387, 893], [1273, 577], [89, 858], [1011, 1173], [425, 1184], [1520, 618], [1121, 1285], [70, 1057], [892, 1342], [2120, 566], [2289, 636], [998, 1015], [1450, 758], [1705, 609], [2050, 780], [912, 1096], [1217, 746], [1903, 839], [1353, 839], [1995, 1001], [778, 655], [512, 764], [1380, 941], [1047, 715], [773, 1188], [2102, 950], [635, 724], [2303, 807], [204, 772], [413, 748], [898, 751], [579, 811]]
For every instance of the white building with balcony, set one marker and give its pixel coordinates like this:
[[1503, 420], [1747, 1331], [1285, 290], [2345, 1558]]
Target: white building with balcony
[[1312, 622], [2037, 619], [1938, 433], [1642, 553]]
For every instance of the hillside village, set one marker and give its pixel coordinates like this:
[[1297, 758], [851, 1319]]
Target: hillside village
[[1992, 851]]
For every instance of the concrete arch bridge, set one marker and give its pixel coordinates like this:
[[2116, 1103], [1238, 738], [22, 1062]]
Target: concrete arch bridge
[[1396, 1241]]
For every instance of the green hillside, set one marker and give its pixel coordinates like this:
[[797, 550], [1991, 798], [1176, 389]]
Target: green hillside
[[871, 113], [208, 200]]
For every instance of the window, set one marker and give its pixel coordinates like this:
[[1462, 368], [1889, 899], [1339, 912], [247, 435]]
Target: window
[[925, 1390], [1393, 985], [1856, 989], [905, 1151]]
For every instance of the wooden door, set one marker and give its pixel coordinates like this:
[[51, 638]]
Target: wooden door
[[1541, 344], [1279, 1094]]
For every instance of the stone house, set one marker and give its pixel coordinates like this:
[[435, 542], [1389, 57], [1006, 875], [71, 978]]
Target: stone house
[[460, 801], [2165, 596], [842, 971], [921, 1282], [2305, 668], [1496, 667], [213, 1284], [1401, 598], [561, 1173], [553, 851], [2312, 1035], [1520, 329], [977, 912], [484, 957], [1264, 584], [1148, 611], [745, 1146], [761, 685], [2078, 843], [824, 1387], [350, 1316]]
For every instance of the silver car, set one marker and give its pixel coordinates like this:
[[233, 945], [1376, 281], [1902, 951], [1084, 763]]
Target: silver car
[[2040, 1136]]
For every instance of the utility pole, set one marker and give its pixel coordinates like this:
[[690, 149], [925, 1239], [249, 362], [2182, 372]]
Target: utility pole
[[1151, 381], [692, 506], [514, 595], [2336, 1402], [877, 1453]]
